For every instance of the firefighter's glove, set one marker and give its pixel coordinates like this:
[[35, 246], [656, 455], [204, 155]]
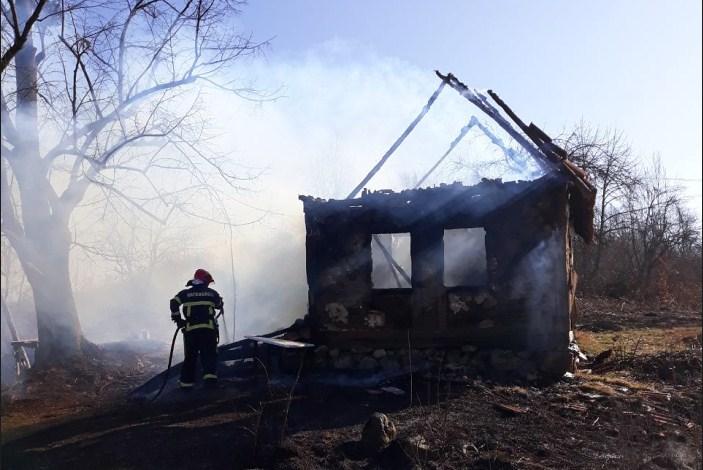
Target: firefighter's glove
[[181, 323]]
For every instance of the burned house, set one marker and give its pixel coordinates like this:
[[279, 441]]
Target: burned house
[[452, 277], [489, 265]]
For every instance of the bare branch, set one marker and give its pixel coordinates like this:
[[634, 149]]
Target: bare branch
[[20, 37]]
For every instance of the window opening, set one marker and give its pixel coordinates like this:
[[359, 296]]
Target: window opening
[[465, 257], [391, 261]]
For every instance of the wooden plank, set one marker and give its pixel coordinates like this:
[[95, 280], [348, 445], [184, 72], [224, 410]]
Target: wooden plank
[[281, 343], [241, 342], [30, 343], [21, 357]]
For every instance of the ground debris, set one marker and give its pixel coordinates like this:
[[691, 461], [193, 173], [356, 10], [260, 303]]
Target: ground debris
[[67, 389], [510, 410], [624, 417]]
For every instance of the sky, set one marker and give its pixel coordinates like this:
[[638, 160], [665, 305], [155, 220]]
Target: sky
[[631, 65]]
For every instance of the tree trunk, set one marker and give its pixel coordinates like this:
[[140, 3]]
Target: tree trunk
[[600, 239], [44, 254], [44, 249], [58, 328]]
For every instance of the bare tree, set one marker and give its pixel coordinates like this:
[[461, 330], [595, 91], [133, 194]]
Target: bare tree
[[99, 94], [608, 160], [657, 224]]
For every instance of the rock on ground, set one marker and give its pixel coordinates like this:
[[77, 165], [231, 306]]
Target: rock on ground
[[379, 431]]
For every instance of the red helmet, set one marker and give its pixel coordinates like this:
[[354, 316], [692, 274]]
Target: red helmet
[[203, 275]]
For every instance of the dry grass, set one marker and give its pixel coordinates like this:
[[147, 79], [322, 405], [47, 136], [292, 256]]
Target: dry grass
[[603, 383], [598, 387], [642, 341]]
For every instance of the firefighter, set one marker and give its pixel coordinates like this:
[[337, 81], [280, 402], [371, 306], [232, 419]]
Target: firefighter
[[200, 333]]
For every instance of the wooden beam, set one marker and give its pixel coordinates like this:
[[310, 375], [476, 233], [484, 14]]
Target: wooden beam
[[552, 151], [493, 113], [394, 264], [281, 343], [397, 143]]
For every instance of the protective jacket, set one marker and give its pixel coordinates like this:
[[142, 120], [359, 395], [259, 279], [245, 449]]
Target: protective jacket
[[200, 335], [199, 303]]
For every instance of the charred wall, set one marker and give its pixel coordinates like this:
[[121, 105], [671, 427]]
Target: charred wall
[[522, 304]]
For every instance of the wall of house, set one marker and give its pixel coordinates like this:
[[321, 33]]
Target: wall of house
[[523, 303]]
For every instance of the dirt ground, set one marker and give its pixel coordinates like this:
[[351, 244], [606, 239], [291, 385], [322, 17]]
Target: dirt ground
[[49, 397], [639, 407]]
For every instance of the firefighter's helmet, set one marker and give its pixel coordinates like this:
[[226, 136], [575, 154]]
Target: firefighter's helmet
[[203, 276]]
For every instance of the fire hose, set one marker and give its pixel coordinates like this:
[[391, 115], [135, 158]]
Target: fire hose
[[168, 368], [224, 323], [170, 356]]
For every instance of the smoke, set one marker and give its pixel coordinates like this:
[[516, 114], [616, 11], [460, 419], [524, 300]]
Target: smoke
[[465, 257], [535, 279], [329, 124]]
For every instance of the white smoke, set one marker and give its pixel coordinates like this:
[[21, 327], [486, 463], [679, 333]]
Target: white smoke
[[536, 280], [333, 119]]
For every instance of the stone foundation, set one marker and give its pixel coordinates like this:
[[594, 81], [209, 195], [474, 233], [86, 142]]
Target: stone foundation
[[468, 360]]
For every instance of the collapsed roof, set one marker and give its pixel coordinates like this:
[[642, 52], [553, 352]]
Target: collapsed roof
[[547, 154]]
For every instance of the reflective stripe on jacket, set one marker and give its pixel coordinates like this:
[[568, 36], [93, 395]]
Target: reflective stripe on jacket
[[198, 305]]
